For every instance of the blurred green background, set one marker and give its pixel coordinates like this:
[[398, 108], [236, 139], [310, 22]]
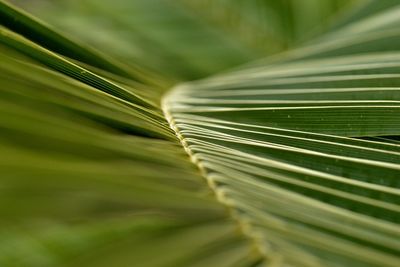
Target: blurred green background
[[190, 39]]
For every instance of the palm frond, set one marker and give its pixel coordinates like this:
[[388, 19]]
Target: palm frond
[[300, 151], [288, 147]]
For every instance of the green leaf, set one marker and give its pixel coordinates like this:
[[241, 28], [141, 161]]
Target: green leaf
[[293, 160], [280, 144]]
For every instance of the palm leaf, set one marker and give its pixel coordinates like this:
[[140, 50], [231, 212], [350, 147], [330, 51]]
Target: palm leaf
[[299, 151]]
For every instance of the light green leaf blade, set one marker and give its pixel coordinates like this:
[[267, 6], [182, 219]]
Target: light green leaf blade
[[298, 149], [300, 152]]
